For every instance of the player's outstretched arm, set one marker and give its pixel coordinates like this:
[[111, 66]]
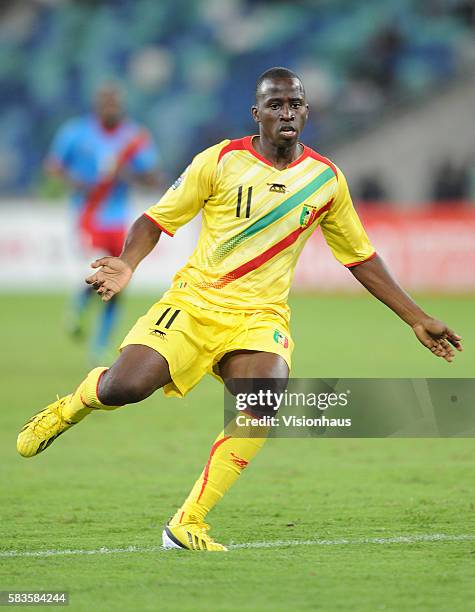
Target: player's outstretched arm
[[433, 334], [114, 273]]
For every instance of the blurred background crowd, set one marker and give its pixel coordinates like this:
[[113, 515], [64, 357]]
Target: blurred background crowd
[[390, 84]]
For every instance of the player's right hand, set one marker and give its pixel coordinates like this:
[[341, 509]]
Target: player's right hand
[[113, 276]]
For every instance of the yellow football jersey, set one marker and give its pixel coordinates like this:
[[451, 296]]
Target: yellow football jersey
[[255, 222]]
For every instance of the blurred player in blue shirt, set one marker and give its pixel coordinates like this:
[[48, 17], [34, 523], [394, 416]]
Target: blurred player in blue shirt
[[99, 156]]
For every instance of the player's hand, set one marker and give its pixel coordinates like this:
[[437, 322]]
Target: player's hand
[[114, 274], [80, 186], [438, 338]]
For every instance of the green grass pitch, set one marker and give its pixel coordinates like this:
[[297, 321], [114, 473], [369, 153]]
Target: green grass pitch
[[115, 479]]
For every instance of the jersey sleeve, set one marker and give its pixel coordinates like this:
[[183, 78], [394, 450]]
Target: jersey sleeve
[[189, 193], [343, 230], [62, 148]]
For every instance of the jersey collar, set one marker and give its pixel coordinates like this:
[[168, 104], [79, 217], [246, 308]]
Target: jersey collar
[[106, 130], [249, 147]]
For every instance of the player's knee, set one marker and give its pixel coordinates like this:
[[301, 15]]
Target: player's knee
[[118, 391], [277, 385], [261, 396], [271, 391]]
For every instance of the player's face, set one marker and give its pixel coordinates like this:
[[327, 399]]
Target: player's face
[[281, 111], [109, 107]]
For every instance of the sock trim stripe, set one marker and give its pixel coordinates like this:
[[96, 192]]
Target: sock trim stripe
[[84, 403], [97, 384], [206, 472]]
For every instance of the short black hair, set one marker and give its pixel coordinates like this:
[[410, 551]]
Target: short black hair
[[278, 72]]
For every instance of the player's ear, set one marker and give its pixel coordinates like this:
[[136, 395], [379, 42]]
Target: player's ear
[[255, 114]]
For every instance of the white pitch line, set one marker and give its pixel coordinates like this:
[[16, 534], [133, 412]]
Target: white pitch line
[[78, 551], [412, 539]]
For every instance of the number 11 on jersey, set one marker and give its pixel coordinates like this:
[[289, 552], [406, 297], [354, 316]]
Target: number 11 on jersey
[[248, 203]]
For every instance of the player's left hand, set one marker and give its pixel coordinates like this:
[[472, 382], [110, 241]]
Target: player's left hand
[[438, 338]]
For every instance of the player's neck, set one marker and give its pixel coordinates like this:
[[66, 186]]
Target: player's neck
[[280, 157], [109, 128]]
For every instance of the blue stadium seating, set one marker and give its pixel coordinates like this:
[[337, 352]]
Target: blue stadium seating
[[189, 66]]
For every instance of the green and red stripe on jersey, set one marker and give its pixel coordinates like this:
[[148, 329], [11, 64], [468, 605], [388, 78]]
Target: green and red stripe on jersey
[[274, 215], [263, 258]]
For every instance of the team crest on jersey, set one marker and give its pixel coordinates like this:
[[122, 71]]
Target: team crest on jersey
[[308, 216], [280, 338]]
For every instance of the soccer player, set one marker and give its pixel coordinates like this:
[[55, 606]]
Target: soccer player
[[98, 156], [226, 312]]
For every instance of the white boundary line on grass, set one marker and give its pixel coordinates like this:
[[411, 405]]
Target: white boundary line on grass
[[410, 539]]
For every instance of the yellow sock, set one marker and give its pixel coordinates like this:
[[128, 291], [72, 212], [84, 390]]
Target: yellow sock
[[84, 400], [227, 459]]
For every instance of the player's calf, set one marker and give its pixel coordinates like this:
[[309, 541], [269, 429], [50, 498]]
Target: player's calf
[[137, 373]]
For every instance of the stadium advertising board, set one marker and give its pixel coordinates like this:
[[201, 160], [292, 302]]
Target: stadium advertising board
[[427, 250]]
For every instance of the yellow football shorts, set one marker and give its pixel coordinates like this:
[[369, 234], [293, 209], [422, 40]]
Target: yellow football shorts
[[194, 340]]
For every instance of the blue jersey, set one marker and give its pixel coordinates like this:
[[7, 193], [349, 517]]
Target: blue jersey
[[87, 152]]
